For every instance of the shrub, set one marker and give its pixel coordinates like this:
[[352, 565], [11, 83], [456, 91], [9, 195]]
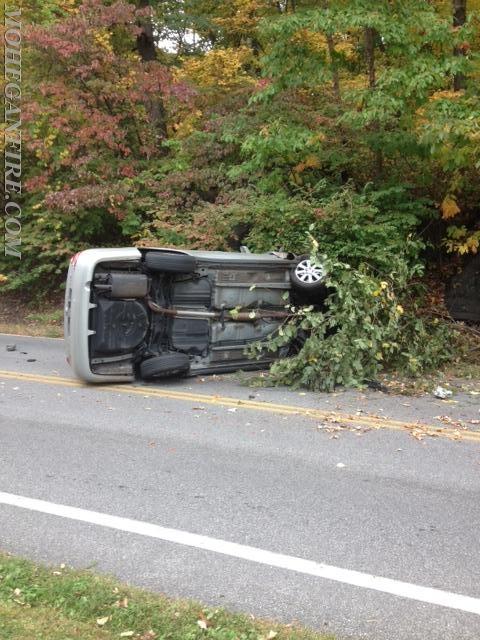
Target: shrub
[[373, 228], [372, 320], [364, 329]]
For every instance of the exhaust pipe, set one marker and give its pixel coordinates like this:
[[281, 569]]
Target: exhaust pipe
[[235, 316]]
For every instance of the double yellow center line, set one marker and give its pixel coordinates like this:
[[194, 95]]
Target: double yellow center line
[[340, 419]]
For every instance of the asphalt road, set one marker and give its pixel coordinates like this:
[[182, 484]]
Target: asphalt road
[[358, 498]]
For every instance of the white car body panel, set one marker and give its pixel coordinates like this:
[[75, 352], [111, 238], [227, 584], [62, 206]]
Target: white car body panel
[[77, 308]]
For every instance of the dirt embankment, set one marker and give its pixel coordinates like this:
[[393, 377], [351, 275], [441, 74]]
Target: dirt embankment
[[43, 318]]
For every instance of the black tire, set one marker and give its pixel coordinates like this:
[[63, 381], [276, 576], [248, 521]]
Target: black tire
[[170, 262], [168, 364], [307, 277]]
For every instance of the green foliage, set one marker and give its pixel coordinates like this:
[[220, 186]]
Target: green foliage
[[377, 229], [280, 222], [371, 321], [364, 330]]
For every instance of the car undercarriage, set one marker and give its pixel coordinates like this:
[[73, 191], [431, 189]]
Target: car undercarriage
[[172, 312]]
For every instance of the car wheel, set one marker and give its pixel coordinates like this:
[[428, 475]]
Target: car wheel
[[169, 262], [308, 276], [168, 364]]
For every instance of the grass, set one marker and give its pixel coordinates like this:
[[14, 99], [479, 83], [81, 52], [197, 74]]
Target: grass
[[54, 316], [59, 603], [32, 329]]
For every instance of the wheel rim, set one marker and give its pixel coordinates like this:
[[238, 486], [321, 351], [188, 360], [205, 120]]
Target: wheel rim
[[308, 272]]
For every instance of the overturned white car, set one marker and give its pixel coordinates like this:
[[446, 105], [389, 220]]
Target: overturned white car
[[151, 313]]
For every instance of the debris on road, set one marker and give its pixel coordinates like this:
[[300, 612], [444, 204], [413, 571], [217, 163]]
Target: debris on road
[[11, 347], [420, 432], [442, 393], [458, 424]]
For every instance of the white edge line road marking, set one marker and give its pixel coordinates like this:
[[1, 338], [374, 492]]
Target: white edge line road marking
[[253, 554]]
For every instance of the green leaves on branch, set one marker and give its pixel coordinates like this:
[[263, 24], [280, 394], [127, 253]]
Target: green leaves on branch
[[363, 331], [371, 321]]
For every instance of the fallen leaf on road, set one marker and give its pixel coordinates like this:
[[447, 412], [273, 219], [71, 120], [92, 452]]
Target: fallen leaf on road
[[459, 424], [417, 434]]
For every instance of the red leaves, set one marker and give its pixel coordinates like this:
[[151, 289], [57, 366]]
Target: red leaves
[[105, 196], [127, 171], [69, 37], [91, 120], [46, 39]]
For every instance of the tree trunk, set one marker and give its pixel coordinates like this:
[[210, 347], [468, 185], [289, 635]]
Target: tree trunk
[[333, 61], [333, 64], [459, 18], [148, 53], [145, 40], [369, 35]]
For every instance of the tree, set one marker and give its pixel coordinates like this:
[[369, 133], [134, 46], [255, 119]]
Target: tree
[[88, 129]]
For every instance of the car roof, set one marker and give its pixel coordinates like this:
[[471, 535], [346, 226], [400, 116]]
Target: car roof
[[225, 256]]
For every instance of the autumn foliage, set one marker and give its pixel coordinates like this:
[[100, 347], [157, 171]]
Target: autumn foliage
[[213, 124]]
